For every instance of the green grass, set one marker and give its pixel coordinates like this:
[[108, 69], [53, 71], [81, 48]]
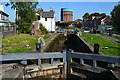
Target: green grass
[[117, 37], [16, 44], [46, 36], [113, 49]]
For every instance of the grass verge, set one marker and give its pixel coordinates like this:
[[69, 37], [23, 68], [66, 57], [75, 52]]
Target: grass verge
[[16, 44], [113, 47]]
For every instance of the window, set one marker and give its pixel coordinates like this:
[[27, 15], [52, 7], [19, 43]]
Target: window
[[45, 19]]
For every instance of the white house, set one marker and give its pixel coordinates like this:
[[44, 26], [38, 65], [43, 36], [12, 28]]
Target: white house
[[4, 18], [47, 18]]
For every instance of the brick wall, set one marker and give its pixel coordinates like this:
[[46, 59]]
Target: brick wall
[[36, 29], [68, 16]]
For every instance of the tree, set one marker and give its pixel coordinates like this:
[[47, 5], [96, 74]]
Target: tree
[[116, 17], [26, 12], [86, 15], [63, 25], [102, 14]]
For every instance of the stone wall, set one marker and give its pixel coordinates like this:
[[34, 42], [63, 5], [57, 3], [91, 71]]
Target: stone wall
[[8, 34], [75, 43]]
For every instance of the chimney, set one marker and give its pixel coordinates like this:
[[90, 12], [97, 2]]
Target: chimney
[[51, 9]]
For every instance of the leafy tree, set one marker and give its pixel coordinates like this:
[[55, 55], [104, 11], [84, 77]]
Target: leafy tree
[[26, 12], [63, 25], [12, 24], [77, 24], [39, 10], [116, 17], [43, 29], [102, 14], [86, 15], [89, 16]]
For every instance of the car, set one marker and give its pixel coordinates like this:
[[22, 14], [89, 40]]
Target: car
[[61, 30], [114, 32], [87, 28], [72, 31], [108, 28]]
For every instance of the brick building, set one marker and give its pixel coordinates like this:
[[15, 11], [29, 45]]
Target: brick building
[[35, 28], [66, 14]]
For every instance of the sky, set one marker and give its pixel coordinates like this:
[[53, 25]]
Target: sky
[[79, 8]]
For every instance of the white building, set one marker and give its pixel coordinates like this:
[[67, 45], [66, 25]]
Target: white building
[[4, 17], [47, 19]]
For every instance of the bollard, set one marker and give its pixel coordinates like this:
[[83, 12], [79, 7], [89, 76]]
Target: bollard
[[96, 48], [110, 33], [38, 47]]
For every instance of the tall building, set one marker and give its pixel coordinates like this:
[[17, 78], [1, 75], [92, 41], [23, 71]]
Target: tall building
[[66, 14]]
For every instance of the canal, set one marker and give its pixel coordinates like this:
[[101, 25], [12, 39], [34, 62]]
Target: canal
[[71, 41]]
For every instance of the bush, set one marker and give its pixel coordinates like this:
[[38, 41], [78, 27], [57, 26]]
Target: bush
[[43, 29]]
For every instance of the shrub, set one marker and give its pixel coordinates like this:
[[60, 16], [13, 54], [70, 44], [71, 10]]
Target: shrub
[[43, 29]]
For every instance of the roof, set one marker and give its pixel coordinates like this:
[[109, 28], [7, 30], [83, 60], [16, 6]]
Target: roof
[[1, 12], [66, 9], [47, 14], [78, 20]]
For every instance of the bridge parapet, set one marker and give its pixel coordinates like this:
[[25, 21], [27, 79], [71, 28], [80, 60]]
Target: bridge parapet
[[92, 63], [26, 56], [95, 57], [81, 56]]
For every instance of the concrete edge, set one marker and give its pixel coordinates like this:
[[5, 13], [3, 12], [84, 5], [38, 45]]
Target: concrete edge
[[89, 46], [48, 43]]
